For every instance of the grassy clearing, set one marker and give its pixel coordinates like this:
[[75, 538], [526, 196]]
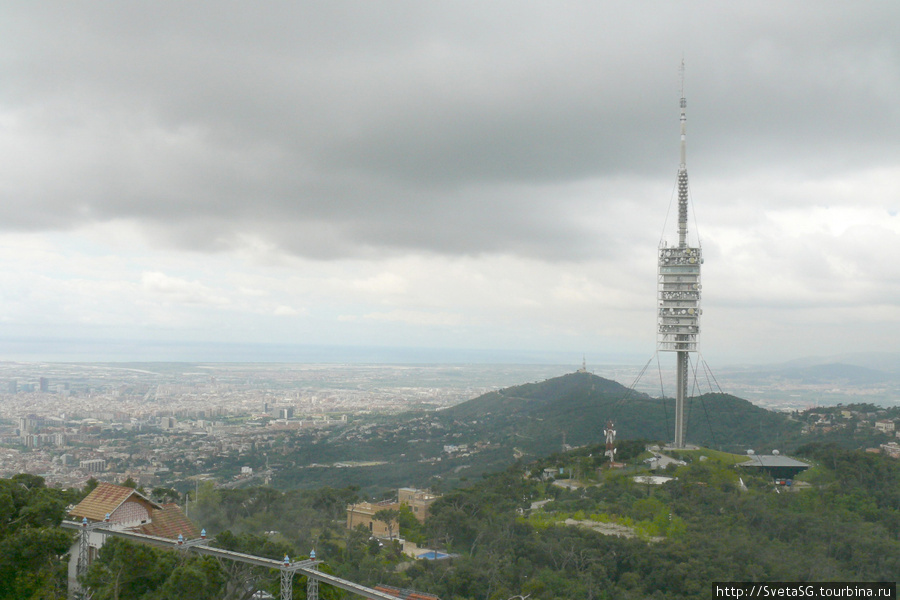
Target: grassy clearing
[[657, 526], [724, 458]]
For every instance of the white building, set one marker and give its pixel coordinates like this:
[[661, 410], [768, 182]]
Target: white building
[[885, 426]]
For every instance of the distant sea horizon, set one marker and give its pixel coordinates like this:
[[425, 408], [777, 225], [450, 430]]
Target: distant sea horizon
[[104, 351], [75, 350]]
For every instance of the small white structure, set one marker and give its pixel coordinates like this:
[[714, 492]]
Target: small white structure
[[652, 479]]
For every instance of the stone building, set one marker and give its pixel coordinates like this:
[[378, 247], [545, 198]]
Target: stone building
[[419, 501], [363, 514]]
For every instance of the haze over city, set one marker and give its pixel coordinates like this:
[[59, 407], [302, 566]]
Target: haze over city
[[488, 181]]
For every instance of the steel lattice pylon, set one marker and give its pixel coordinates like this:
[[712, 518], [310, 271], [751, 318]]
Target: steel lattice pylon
[[287, 577], [312, 585], [287, 584], [84, 548], [84, 553]]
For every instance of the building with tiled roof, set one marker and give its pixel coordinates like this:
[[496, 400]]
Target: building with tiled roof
[[128, 509], [169, 522], [125, 506]]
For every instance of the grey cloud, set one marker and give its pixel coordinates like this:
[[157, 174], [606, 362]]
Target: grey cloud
[[346, 129]]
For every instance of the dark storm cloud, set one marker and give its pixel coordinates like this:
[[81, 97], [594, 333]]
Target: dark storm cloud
[[342, 129]]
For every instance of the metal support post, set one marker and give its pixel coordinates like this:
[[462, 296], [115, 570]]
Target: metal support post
[[84, 554], [81, 567], [84, 548], [312, 583], [287, 584]]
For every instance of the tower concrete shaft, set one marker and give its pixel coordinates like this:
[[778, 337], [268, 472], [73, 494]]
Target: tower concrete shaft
[[681, 379]]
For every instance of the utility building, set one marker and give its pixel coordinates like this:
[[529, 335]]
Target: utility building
[[780, 468]]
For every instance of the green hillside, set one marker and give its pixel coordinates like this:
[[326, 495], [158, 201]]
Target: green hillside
[[535, 416], [524, 422], [513, 534]]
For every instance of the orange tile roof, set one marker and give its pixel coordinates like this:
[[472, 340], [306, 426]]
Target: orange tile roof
[[106, 498], [404, 593], [168, 522]]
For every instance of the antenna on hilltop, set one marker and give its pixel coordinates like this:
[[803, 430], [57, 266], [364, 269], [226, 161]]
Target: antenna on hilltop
[[583, 368]]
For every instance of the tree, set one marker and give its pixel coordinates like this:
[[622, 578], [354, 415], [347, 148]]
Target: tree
[[31, 543], [30, 566], [333, 502], [412, 529], [201, 578], [89, 486], [164, 494], [388, 516], [125, 570]]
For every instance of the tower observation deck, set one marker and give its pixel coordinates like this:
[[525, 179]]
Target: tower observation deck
[[678, 291]]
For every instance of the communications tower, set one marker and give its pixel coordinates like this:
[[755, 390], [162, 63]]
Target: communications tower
[[610, 435], [678, 321]]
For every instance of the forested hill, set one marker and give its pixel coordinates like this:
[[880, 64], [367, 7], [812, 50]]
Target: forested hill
[[524, 422], [535, 416], [536, 397]]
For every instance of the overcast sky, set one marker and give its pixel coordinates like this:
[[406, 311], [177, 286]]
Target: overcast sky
[[456, 175]]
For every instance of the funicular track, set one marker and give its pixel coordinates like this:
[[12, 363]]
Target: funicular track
[[309, 568]]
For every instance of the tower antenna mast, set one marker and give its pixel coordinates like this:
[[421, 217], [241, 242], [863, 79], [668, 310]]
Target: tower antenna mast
[[678, 322], [682, 170]]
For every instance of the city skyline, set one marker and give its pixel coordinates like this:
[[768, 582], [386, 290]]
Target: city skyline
[[458, 177]]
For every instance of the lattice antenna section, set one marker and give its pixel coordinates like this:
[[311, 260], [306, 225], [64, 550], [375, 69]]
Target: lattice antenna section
[[610, 434]]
